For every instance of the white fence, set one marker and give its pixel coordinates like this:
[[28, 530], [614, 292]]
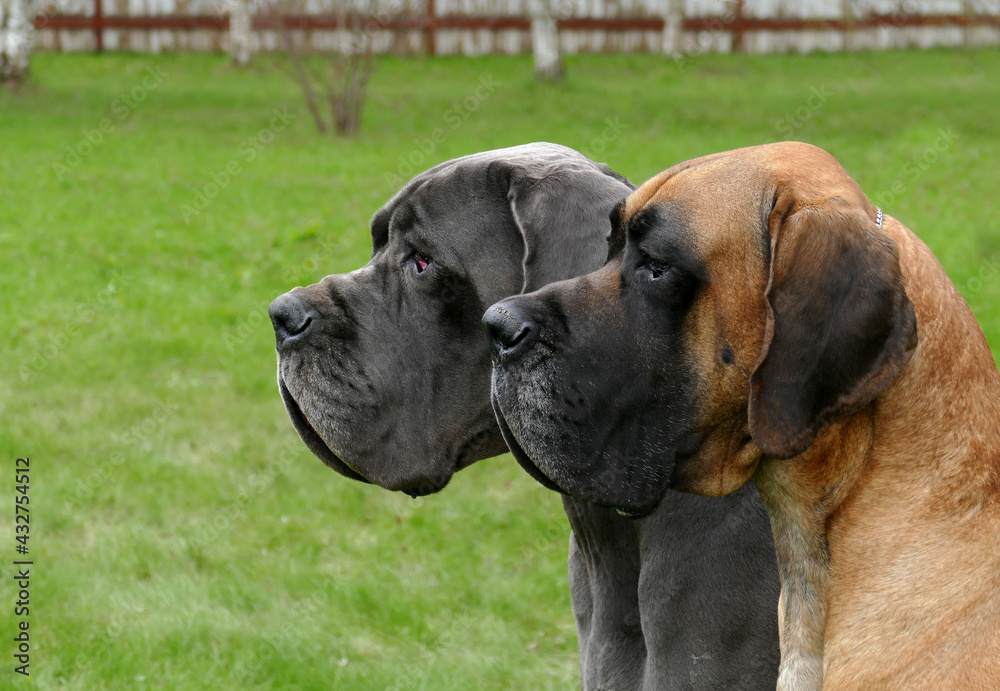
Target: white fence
[[475, 27]]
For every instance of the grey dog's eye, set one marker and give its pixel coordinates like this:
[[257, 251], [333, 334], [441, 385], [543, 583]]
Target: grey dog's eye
[[421, 262], [657, 268]]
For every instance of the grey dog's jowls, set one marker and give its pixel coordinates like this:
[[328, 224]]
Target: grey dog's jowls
[[385, 373]]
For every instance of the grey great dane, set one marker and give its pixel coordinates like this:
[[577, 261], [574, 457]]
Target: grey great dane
[[385, 374]]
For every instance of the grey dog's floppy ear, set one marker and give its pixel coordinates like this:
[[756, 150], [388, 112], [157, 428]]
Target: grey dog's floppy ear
[[563, 218], [839, 326]]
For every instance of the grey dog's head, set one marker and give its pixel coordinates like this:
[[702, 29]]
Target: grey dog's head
[[385, 371]]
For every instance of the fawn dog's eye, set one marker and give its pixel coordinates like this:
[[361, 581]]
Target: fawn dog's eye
[[657, 269]]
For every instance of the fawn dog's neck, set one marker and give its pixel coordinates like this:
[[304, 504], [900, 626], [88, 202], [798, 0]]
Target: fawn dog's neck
[[887, 528]]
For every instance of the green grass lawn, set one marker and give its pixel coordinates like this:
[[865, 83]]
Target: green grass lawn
[[183, 538]]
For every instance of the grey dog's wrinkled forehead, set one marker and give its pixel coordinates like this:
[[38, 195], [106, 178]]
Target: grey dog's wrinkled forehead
[[537, 161]]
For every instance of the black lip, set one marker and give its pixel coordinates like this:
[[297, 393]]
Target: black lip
[[312, 440], [634, 515], [426, 488], [519, 455]]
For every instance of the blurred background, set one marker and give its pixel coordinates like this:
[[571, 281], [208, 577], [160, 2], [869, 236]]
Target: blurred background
[[168, 167]]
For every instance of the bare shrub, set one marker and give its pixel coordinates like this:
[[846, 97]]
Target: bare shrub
[[334, 85]]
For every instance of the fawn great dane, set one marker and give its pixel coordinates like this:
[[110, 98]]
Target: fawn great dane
[[760, 318]]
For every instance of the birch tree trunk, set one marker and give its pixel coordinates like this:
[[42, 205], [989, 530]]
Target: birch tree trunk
[[545, 40], [241, 38], [17, 37], [672, 23]]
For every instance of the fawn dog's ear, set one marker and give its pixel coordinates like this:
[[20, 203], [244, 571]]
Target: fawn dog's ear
[[839, 327]]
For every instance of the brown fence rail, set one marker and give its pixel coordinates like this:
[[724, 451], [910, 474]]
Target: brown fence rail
[[737, 25]]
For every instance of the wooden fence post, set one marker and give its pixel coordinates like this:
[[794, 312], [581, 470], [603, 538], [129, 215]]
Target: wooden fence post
[[431, 28], [98, 26], [739, 29]]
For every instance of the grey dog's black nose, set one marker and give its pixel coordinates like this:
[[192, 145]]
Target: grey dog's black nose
[[291, 319], [510, 332]]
